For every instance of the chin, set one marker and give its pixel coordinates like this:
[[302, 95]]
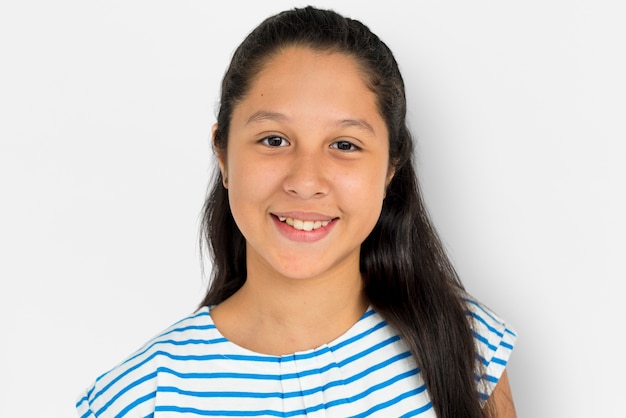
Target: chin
[[299, 274]]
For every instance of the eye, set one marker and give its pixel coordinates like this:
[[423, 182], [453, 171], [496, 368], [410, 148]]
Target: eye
[[344, 146], [274, 141]]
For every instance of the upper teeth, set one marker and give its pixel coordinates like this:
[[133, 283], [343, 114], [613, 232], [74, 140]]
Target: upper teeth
[[303, 225]]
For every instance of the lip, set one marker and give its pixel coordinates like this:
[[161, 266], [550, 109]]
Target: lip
[[296, 235]]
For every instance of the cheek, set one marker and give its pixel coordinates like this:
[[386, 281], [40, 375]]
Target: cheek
[[251, 182], [363, 194], [369, 182]]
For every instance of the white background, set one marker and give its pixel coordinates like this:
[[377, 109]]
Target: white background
[[105, 116]]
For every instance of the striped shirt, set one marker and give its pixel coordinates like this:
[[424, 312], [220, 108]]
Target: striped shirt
[[191, 370]]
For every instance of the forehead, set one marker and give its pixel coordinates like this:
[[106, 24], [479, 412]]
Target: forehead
[[290, 58], [303, 77]]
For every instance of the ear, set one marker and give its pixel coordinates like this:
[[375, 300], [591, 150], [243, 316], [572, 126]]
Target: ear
[[221, 158], [390, 173]]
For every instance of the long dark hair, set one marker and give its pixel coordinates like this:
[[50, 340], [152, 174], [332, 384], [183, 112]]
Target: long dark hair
[[407, 276]]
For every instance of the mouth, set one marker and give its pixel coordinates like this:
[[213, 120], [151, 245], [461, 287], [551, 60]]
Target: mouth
[[302, 225]]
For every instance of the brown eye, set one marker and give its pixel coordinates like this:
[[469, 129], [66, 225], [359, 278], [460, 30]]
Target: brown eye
[[344, 146], [275, 141]]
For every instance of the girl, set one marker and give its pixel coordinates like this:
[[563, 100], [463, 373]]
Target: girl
[[331, 294]]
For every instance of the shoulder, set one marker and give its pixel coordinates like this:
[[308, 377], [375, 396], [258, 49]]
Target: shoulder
[[132, 383], [494, 340]]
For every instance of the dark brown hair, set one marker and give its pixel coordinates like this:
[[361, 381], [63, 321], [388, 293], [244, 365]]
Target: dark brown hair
[[408, 277]]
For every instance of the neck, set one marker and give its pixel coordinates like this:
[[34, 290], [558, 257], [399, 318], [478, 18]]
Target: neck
[[278, 315]]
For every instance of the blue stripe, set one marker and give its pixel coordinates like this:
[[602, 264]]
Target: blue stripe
[[484, 341], [495, 360], [349, 341], [328, 405], [479, 306], [255, 376], [81, 400], [209, 357], [491, 316], [393, 401], [86, 414], [300, 356], [378, 367], [506, 345], [157, 341], [193, 341], [418, 411], [118, 378], [367, 392], [224, 375], [253, 395], [126, 389], [369, 313], [223, 413], [370, 350], [138, 401], [489, 378], [200, 313], [284, 395], [187, 328], [370, 370], [482, 360], [498, 361], [389, 382], [91, 389], [315, 353], [482, 321]]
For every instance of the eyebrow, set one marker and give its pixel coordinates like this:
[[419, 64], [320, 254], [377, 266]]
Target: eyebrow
[[356, 123], [262, 115], [265, 115]]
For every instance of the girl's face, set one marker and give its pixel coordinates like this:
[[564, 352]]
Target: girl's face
[[307, 165]]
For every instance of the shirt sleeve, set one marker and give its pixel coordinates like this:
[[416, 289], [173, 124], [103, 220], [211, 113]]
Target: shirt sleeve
[[494, 340], [83, 408]]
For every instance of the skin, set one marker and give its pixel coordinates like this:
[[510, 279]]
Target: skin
[[502, 399], [307, 141]]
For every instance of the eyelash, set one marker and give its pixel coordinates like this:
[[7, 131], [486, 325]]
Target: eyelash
[[284, 142]]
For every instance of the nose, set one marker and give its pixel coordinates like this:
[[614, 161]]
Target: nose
[[307, 177]]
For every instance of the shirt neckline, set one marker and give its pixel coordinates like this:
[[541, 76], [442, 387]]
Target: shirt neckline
[[353, 330]]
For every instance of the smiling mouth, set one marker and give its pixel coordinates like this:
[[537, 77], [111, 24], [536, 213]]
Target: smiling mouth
[[301, 225]]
